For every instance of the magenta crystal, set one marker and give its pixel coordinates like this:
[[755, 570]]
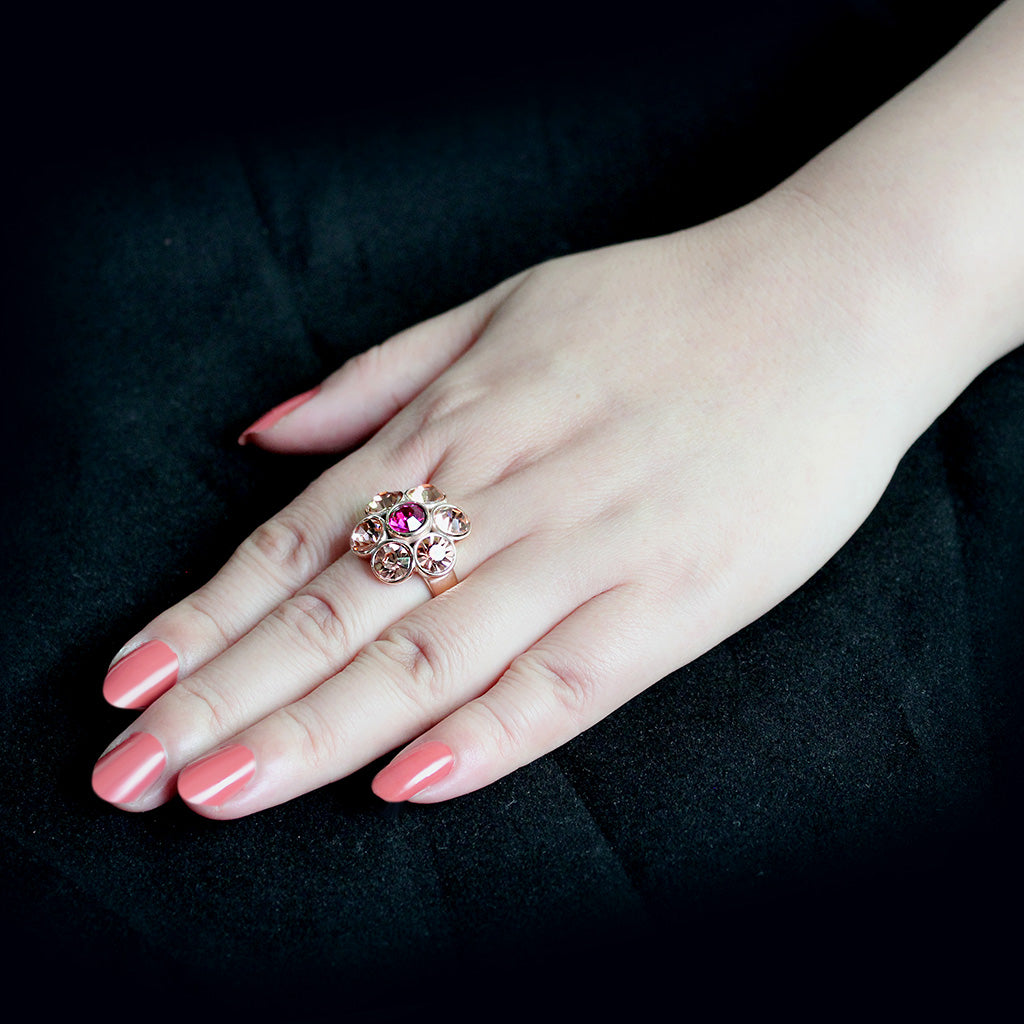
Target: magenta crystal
[[407, 518]]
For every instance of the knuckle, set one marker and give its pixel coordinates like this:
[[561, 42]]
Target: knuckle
[[571, 682], [442, 410], [221, 713], [289, 544], [318, 741], [415, 659], [315, 619], [369, 368], [365, 365], [203, 619], [506, 728], [421, 446], [444, 403], [438, 423]]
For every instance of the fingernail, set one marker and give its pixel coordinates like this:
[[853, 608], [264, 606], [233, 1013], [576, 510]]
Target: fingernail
[[140, 677], [278, 413], [126, 772], [413, 771], [215, 779]]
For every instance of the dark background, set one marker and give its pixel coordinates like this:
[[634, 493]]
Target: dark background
[[206, 216]]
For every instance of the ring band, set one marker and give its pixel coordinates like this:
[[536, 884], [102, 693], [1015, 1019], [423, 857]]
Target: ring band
[[411, 531]]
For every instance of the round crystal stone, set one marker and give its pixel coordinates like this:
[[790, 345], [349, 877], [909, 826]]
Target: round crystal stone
[[451, 521], [435, 555], [367, 535], [424, 493], [407, 518], [392, 562], [383, 501]]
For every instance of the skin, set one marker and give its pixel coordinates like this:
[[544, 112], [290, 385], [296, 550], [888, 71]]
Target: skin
[[657, 442]]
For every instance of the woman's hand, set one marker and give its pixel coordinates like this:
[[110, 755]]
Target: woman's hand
[[656, 443]]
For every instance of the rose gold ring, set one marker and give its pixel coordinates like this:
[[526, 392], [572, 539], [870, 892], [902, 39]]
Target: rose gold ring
[[413, 531]]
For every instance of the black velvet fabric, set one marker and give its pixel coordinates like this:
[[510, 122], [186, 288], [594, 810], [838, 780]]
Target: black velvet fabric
[[201, 227]]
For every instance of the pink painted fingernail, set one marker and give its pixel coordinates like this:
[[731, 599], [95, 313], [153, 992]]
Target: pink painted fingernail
[[413, 771], [140, 677], [126, 772], [278, 413], [215, 779]]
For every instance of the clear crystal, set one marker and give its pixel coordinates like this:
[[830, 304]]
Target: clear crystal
[[451, 521], [367, 535], [392, 562], [383, 501], [407, 518], [424, 492], [435, 555]]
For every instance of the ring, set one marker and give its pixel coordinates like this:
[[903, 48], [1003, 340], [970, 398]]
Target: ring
[[403, 532]]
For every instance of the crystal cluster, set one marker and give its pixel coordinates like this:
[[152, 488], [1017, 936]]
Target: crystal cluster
[[402, 532]]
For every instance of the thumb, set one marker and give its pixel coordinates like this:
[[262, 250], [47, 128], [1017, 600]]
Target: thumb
[[365, 392]]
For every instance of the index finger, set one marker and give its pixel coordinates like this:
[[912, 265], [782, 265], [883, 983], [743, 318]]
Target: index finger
[[270, 565]]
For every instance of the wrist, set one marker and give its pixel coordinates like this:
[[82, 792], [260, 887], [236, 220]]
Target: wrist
[[915, 218], [821, 300], [897, 311], [931, 182]]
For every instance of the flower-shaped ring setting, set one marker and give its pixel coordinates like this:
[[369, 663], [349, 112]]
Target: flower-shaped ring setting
[[409, 532]]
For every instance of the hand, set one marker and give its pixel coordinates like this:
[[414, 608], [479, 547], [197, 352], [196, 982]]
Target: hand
[[656, 443]]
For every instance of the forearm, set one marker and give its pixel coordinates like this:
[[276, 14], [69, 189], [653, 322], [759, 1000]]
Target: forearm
[[928, 192]]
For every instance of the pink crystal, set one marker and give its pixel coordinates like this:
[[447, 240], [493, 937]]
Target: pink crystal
[[435, 555], [451, 520], [424, 492], [392, 562], [367, 534], [407, 518], [383, 501]]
